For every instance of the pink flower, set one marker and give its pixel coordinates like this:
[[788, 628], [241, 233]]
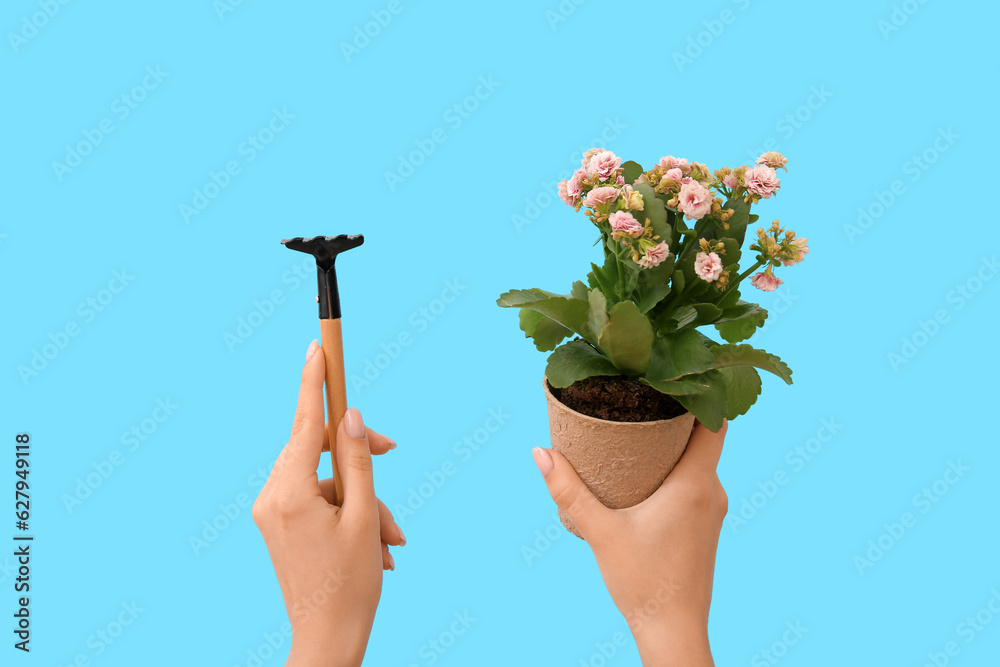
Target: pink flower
[[766, 281], [708, 266], [773, 159], [762, 181], [674, 173], [601, 166], [654, 256], [730, 181], [570, 191], [694, 200], [589, 154], [624, 223], [598, 196], [797, 251], [670, 162]]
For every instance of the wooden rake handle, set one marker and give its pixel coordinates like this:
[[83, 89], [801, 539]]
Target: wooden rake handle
[[336, 394]]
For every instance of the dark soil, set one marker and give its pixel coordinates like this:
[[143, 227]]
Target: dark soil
[[618, 399]]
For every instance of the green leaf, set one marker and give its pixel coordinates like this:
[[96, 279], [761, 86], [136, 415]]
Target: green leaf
[[574, 361], [742, 389], [738, 311], [678, 282], [678, 354], [579, 290], [735, 331], [744, 355], [631, 171], [691, 384], [731, 252], [571, 313], [627, 338], [655, 212], [599, 279], [738, 222], [655, 294], [547, 333], [707, 313], [520, 297], [598, 317], [708, 406], [676, 319], [730, 300]]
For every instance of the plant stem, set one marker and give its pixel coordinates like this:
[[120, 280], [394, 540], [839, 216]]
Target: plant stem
[[740, 279]]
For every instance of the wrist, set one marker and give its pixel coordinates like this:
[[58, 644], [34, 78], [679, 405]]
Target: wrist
[[668, 644], [325, 650]]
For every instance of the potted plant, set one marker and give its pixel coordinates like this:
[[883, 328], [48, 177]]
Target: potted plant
[[623, 392]]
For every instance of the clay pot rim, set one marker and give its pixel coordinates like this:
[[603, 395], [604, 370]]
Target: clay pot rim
[[598, 420]]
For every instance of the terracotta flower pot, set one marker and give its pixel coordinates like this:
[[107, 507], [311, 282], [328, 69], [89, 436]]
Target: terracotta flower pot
[[622, 463]]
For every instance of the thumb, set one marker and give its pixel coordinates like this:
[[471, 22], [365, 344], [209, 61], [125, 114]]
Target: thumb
[[569, 492], [354, 459]]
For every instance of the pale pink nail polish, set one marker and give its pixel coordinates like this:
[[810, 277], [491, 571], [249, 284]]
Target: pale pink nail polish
[[543, 460], [353, 424], [313, 346]]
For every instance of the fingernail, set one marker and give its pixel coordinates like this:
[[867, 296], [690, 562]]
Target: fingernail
[[392, 444], [353, 424], [313, 346], [402, 538], [392, 562], [543, 460]]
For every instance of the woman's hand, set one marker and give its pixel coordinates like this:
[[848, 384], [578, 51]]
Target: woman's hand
[[328, 559], [657, 558]]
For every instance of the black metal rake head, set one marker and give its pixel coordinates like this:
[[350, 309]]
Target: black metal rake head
[[325, 249]]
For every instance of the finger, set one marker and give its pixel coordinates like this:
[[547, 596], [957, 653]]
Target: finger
[[354, 459], [378, 443], [387, 561], [703, 452], [300, 457], [569, 492], [391, 533]]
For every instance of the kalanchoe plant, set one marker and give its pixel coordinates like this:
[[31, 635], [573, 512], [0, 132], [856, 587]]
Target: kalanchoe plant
[[639, 313]]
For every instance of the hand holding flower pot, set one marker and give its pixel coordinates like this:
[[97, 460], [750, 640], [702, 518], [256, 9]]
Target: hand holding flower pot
[[635, 324]]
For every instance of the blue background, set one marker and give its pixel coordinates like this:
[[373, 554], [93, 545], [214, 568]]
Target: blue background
[[848, 96]]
